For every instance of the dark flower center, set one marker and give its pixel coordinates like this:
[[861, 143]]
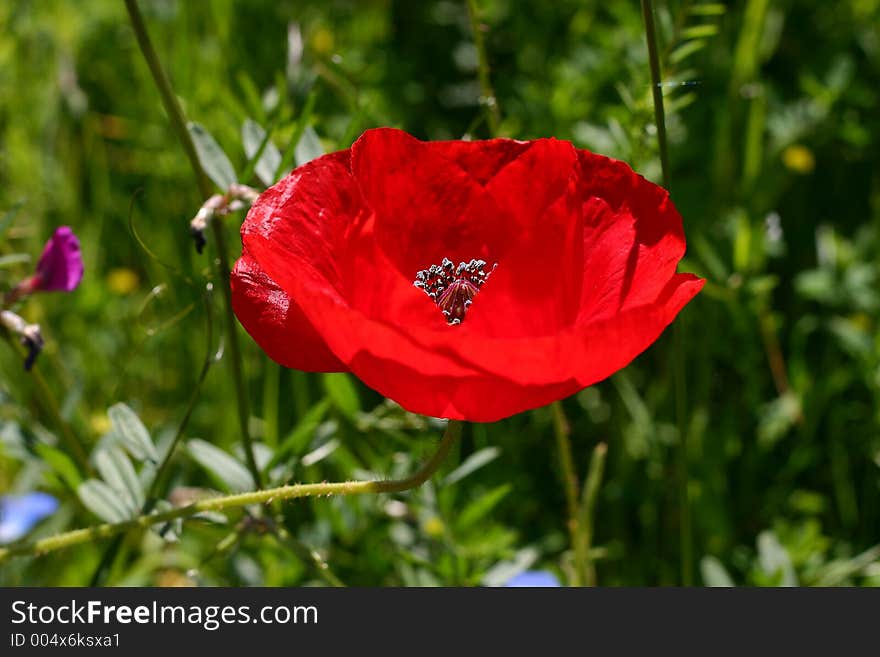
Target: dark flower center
[[453, 288]]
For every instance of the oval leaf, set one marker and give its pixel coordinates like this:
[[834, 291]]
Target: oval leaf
[[211, 156], [255, 138], [102, 500], [133, 433], [115, 468], [472, 463], [309, 147], [230, 472]]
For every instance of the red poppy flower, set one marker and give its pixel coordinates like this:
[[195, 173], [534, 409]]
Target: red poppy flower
[[466, 280]]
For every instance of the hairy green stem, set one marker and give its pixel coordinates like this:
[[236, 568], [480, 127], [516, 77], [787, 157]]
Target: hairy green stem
[[178, 122], [488, 100], [224, 503], [680, 385]]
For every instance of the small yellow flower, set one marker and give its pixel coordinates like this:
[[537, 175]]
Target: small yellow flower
[[799, 159], [434, 527], [100, 423], [323, 41], [122, 281]]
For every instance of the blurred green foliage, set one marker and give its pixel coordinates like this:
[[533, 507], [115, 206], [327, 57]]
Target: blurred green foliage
[[775, 151]]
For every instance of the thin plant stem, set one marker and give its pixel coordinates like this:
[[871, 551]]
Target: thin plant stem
[[309, 554], [150, 499], [223, 503], [656, 89], [680, 385], [562, 429], [51, 405], [53, 409], [178, 123], [488, 100], [589, 497]]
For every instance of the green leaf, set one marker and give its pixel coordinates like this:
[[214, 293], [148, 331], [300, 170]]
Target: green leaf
[[103, 501], [14, 259], [298, 440], [679, 103], [775, 560], [710, 258], [687, 49], [480, 507], [707, 9], [212, 158], [230, 472], [503, 571], [60, 463], [257, 143], [289, 156], [309, 147], [343, 395], [742, 243], [116, 470], [128, 426], [714, 573], [321, 452], [9, 216], [472, 463], [699, 31]]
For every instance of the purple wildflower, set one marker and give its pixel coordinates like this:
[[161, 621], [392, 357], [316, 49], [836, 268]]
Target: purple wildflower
[[60, 267]]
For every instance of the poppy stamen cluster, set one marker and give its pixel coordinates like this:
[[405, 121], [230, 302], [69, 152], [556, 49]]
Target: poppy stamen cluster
[[453, 288]]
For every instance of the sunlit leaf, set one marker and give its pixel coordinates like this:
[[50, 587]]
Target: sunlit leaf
[[229, 471], [714, 573], [309, 147], [255, 138], [472, 463], [686, 49], [699, 31], [133, 433], [503, 571], [14, 259], [103, 501], [214, 161], [117, 471]]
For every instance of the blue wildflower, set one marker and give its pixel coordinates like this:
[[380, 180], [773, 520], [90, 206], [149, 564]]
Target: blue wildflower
[[19, 513], [534, 578]]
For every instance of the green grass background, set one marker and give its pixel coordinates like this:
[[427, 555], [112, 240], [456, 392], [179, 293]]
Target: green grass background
[[774, 128]]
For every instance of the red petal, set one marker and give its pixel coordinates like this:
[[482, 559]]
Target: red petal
[[312, 235], [437, 199], [277, 324], [592, 353], [481, 398], [536, 288], [658, 243]]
